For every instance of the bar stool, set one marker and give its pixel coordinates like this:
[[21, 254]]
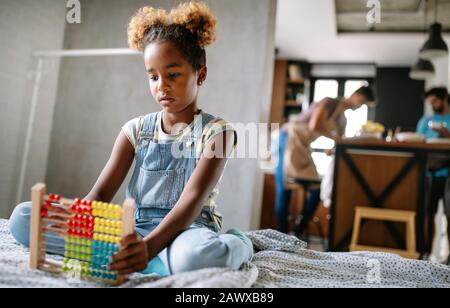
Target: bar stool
[[387, 215], [306, 185]]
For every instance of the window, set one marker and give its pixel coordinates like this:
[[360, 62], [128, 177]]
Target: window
[[355, 118], [325, 88], [334, 88]]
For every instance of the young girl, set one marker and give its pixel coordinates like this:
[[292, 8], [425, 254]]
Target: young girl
[[177, 166]]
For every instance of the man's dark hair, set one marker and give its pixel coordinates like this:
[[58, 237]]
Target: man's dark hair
[[367, 92], [440, 93]]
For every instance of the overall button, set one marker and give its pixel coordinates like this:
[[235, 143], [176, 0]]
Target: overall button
[[145, 142]]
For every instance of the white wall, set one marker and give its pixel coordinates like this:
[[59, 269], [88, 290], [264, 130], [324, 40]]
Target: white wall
[[25, 26], [97, 96], [441, 78]]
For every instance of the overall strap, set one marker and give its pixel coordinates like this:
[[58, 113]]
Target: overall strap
[[150, 122]]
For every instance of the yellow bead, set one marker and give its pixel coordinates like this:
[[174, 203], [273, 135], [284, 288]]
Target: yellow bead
[[96, 237], [117, 207], [119, 224]]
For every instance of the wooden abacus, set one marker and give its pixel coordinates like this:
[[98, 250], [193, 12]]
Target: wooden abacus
[[91, 231]]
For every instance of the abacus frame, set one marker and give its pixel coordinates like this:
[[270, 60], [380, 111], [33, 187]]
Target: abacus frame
[[38, 256]]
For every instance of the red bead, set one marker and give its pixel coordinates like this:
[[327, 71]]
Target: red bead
[[69, 223], [47, 205], [44, 213], [73, 208], [54, 197], [91, 219], [77, 201], [89, 203]]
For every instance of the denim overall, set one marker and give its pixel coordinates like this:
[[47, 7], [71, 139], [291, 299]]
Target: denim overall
[[160, 176]]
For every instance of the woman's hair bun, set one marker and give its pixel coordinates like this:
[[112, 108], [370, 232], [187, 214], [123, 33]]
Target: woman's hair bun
[[142, 22], [198, 19]]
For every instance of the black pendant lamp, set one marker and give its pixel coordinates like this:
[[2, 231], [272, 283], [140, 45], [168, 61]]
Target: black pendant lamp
[[422, 70], [435, 47]]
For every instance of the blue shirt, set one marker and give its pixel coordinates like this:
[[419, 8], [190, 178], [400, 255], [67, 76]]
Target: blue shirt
[[424, 129]]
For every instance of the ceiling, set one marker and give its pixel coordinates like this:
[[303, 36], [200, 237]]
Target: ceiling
[[396, 15], [307, 29]]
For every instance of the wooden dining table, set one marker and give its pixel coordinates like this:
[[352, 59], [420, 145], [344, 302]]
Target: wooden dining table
[[386, 175]]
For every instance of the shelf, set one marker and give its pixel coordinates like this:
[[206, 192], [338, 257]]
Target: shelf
[[296, 82], [292, 103]]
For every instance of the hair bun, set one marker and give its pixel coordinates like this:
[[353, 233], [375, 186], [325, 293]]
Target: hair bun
[[142, 22], [197, 18]]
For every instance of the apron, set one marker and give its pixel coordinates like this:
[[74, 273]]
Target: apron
[[298, 161]]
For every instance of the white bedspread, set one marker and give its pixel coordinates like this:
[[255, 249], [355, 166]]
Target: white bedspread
[[281, 261]]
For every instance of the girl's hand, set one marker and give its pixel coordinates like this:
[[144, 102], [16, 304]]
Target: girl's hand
[[132, 257]]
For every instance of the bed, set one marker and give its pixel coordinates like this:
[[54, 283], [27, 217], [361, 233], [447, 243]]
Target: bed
[[280, 261]]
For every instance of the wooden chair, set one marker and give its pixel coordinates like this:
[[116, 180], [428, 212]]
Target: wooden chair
[[407, 217]]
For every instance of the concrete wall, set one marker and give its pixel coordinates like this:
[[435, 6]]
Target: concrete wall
[[98, 95], [25, 26]]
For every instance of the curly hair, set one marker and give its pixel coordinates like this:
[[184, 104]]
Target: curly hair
[[191, 27]]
